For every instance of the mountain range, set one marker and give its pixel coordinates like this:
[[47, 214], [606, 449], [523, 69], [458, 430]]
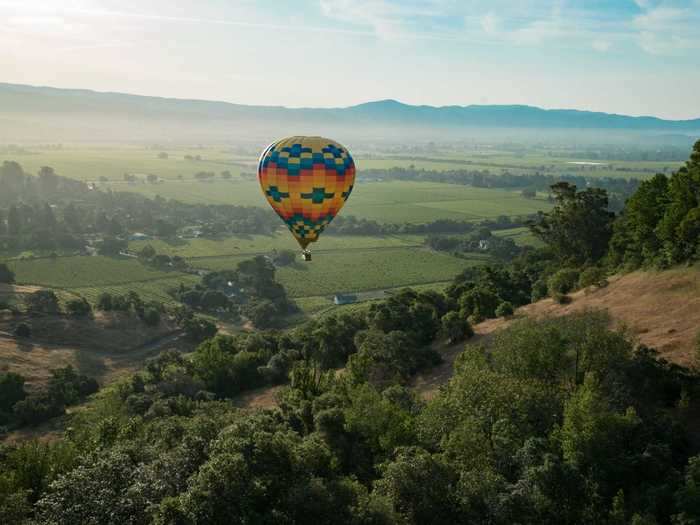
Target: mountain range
[[45, 113]]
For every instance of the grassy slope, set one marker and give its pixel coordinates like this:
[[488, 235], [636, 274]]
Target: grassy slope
[[660, 309]]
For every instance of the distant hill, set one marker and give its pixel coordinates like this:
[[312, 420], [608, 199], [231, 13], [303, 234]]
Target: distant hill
[[39, 113]]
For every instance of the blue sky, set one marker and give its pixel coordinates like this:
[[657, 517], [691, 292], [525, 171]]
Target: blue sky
[[627, 56]]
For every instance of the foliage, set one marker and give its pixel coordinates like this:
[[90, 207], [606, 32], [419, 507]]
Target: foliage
[[593, 276], [78, 307], [579, 227], [660, 225], [6, 275], [563, 281], [455, 327], [42, 301], [505, 309]]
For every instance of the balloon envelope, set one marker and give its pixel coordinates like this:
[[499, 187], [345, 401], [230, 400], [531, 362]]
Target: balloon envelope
[[306, 180]]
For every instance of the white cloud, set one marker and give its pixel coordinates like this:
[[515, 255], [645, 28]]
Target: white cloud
[[490, 23], [667, 30], [601, 45]]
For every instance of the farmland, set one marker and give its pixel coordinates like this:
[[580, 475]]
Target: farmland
[[357, 264], [112, 162], [89, 276], [359, 270]]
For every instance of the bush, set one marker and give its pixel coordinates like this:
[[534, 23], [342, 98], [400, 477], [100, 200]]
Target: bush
[[105, 302], [11, 390], [198, 329], [562, 298], [540, 290], [455, 327], [78, 307], [43, 301], [23, 330], [151, 316], [592, 276], [563, 281], [36, 409], [6, 275], [505, 309]]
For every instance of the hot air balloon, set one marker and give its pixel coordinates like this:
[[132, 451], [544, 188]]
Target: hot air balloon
[[306, 180]]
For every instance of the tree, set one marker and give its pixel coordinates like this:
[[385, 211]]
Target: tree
[[151, 316], [419, 488], [105, 302], [43, 301], [11, 391], [147, 252], [455, 327], [23, 330], [262, 313], [505, 309], [7, 276], [213, 300], [579, 227], [198, 328], [78, 307], [563, 281], [14, 221]]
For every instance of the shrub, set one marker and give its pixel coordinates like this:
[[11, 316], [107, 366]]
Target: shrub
[[11, 390], [36, 409], [540, 290], [6, 275], [592, 276], [505, 309], [563, 281], [105, 302], [42, 301], [198, 329], [562, 298], [455, 327], [78, 307], [23, 330], [151, 316]]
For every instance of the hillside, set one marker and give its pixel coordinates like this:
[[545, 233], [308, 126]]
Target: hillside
[[660, 309], [43, 113]]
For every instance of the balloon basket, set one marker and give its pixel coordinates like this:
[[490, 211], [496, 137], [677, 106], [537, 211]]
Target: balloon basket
[[306, 255]]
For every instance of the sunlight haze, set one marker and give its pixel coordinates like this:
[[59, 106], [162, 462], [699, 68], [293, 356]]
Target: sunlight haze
[[618, 57]]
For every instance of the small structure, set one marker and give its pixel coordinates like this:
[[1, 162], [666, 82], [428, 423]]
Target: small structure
[[139, 237], [344, 299]]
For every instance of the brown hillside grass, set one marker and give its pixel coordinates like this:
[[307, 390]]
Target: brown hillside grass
[[105, 347], [661, 309]]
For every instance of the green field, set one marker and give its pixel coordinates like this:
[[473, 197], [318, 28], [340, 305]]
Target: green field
[[395, 201], [260, 244], [341, 264], [522, 236], [89, 164], [88, 276], [360, 270]]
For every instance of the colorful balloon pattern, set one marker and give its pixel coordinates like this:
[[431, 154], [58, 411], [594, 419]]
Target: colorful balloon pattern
[[306, 180]]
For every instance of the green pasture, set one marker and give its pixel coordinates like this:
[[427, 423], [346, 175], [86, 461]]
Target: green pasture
[[360, 270], [248, 245], [522, 236], [394, 201], [89, 164], [70, 272]]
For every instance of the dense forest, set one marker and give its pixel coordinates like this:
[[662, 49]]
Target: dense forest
[[553, 421]]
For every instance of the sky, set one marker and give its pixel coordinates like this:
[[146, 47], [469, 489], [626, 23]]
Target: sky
[[636, 57]]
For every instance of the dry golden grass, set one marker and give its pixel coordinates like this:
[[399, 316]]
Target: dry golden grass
[[660, 309], [105, 347]]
